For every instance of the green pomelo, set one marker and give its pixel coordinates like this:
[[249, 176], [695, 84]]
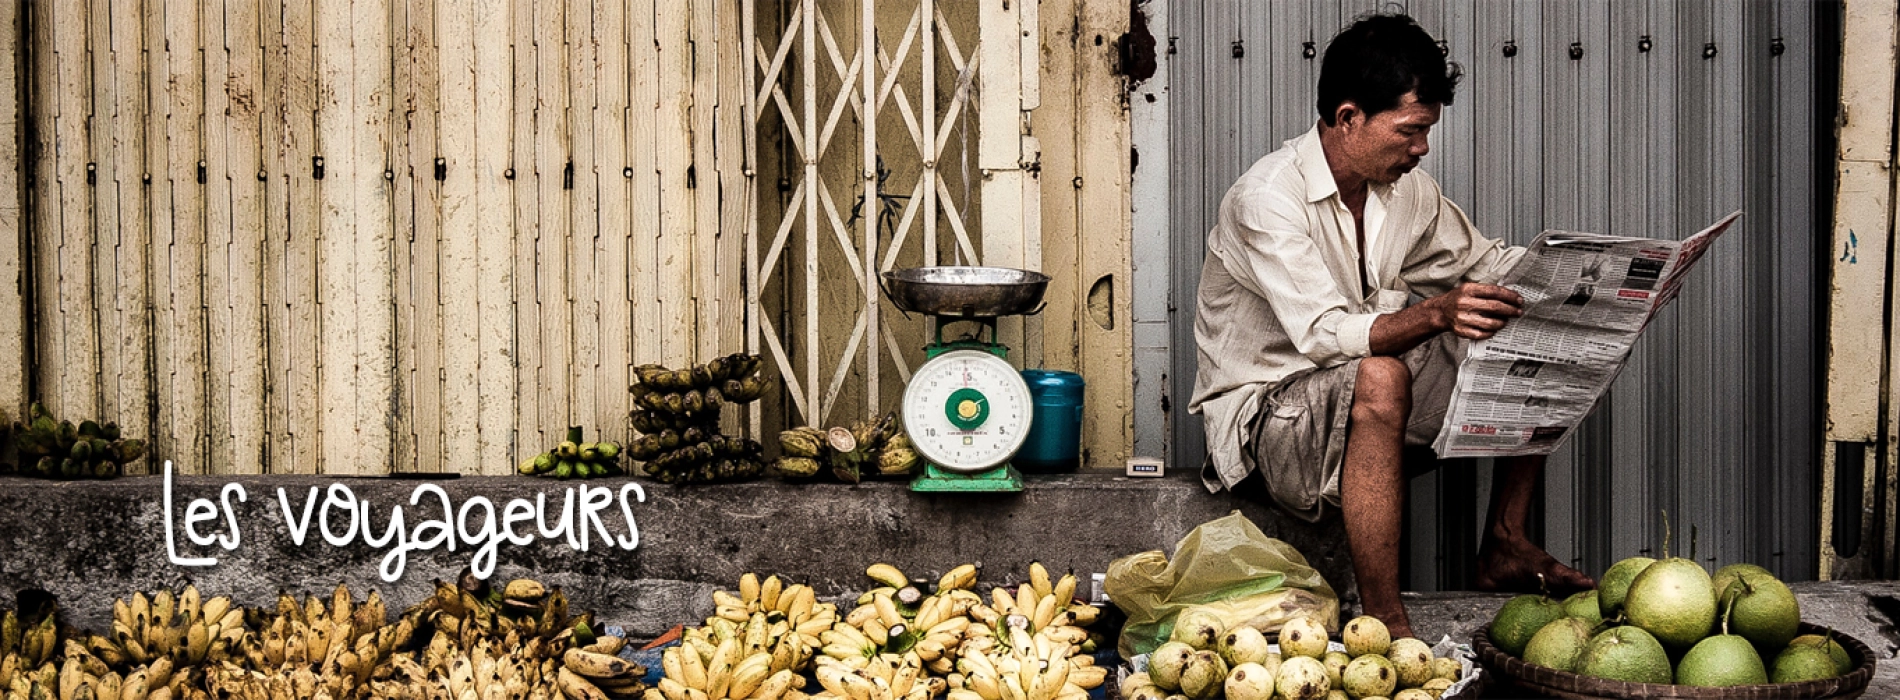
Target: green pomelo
[[1625, 654], [1673, 600], [1337, 694], [1765, 612], [1366, 635], [1166, 663], [1301, 678], [1583, 605], [1721, 661], [1727, 575], [1370, 676], [1204, 675], [1414, 694], [1803, 662], [1615, 585], [1199, 628], [1303, 636], [1842, 662], [1249, 681], [1559, 644], [1519, 619], [1335, 663], [1244, 644], [1436, 686], [1147, 692], [1413, 660]]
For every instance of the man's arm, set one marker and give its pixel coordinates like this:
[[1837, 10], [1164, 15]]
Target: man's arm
[[1472, 310]]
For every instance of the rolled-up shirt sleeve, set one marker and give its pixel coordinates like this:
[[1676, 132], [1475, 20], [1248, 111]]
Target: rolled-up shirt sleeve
[[1267, 249]]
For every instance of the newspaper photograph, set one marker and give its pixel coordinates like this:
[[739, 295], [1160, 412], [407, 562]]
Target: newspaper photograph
[[1587, 297]]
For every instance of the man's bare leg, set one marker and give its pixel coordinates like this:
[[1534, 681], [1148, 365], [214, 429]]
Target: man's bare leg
[[1508, 561], [1372, 486]]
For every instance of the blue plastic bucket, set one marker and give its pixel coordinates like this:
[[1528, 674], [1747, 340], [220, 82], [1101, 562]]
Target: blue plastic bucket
[[1055, 433]]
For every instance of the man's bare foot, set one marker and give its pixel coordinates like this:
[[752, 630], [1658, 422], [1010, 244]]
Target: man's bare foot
[[1514, 566], [1396, 621]]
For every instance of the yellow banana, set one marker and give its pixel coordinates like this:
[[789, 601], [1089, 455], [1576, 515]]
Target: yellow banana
[[673, 689], [802, 603], [727, 600], [769, 592], [775, 685], [888, 575], [1045, 612], [748, 676], [875, 631], [1026, 600], [1003, 600], [958, 577], [693, 670], [575, 687], [1039, 578], [606, 644], [1089, 677], [597, 665], [860, 614], [887, 611], [749, 589]]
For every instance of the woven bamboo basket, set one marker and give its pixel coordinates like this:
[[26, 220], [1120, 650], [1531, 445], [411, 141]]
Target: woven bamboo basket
[[1563, 684]]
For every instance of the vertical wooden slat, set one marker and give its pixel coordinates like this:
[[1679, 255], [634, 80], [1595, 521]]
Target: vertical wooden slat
[[749, 113], [214, 179], [612, 246], [374, 239], [341, 320], [729, 162], [419, 212], [1105, 279], [1055, 121], [552, 173], [274, 137], [245, 161], [14, 348], [104, 222], [130, 376], [677, 255], [458, 342], [644, 266], [43, 192], [154, 179], [77, 364], [868, 184], [187, 399], [583, 203], [526, 227], [808, 97], [495, 201], [999, 149], [303, 264]]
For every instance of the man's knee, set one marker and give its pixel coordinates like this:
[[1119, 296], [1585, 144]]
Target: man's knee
[[1382, 392]]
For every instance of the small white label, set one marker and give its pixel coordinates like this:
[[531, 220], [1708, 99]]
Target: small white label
[[1144, 466]]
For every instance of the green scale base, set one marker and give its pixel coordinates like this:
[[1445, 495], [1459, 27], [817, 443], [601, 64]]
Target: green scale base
[[935, 479]]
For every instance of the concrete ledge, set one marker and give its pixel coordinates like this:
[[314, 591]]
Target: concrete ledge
[[91, 542]]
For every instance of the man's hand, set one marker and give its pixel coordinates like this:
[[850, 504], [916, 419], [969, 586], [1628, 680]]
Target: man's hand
[[1476, 311]]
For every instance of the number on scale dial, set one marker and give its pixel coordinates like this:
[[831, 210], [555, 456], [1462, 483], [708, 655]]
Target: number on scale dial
[[967, 410]]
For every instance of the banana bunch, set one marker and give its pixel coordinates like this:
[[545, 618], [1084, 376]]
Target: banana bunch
[[84, 675], [1038, 634], [183, 628], [678, 418], [879, 445], [524, 608], [574, 459], [27, 650], [899, 644], [57, 449], [756, 646]]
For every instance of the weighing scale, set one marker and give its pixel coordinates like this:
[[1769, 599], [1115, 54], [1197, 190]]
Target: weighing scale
[[966, 409]]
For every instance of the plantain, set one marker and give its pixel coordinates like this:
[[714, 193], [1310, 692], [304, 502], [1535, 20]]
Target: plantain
[[797, 466]]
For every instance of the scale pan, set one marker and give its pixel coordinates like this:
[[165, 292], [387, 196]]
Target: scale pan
[[977, 292]]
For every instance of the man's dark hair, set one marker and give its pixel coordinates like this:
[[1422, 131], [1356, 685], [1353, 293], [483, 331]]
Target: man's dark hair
[[1377, 60]]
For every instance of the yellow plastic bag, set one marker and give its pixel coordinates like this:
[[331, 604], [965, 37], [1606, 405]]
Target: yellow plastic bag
[[1227, 566]]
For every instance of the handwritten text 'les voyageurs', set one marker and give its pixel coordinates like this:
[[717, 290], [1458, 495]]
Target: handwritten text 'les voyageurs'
[[342, 518]]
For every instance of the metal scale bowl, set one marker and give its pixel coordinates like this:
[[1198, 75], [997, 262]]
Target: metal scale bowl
[[966, 409]]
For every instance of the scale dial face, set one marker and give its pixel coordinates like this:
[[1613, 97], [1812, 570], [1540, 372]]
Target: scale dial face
[[967, 410]]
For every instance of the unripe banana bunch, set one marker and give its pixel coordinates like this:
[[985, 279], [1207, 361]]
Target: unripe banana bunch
[[574, 459], [678, 417], [57, 449], [700, 389]]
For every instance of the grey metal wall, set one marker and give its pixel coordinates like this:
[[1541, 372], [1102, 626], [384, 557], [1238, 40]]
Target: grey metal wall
[[1630, 118]]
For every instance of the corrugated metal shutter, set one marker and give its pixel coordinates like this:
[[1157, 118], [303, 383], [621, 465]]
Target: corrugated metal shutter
[[1648, 119]]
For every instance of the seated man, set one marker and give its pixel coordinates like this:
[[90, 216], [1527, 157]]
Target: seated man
[[1314, 373]]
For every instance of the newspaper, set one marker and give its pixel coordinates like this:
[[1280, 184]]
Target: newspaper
[[1586, 299]]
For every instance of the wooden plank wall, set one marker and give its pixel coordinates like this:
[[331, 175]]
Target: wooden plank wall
[[372, 236], [364, 236]]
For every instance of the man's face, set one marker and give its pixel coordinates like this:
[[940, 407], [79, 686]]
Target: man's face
[[1391, 143]]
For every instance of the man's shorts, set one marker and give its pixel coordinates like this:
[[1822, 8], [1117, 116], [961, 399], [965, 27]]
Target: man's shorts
[[1299, 436]]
